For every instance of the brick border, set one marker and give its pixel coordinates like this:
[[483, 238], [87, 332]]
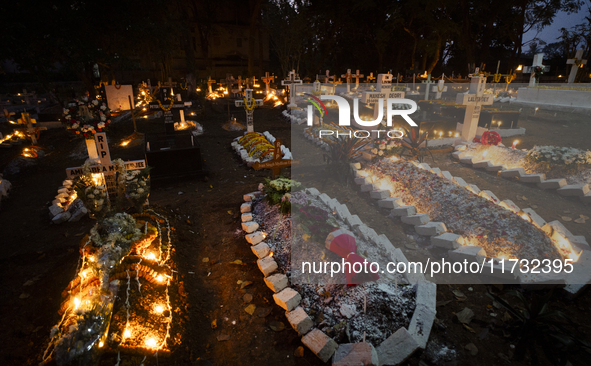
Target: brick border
[[244, 154]]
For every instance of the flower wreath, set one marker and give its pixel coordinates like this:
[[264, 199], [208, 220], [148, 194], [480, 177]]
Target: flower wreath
[[86, 117], [490, 138]]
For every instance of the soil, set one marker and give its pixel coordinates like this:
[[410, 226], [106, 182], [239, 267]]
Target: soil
[[39, 259]]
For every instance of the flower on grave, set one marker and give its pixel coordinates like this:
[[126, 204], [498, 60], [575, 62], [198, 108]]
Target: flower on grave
[[103, 118], [75, 126], [103, 107], [380, 153], [95, 102], [101, 125], [374, 151]]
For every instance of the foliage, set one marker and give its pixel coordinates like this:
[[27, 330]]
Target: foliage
[[386, 147], [342, 152], [85, 117], [535, 325], [412, 142], [554, 155], [278, 191]]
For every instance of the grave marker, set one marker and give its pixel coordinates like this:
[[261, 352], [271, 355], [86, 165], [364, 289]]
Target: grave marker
[[209, 82], [440, 87], [576, 63], [357, 76], [277, 162], [348, 78], [117, 97], [334, 84], [370, 77], [31, 131], [382, 94], [289, 83], [428, 82], [267, 80], [249, 105], [171, 109], [538, 58], [473, 100]]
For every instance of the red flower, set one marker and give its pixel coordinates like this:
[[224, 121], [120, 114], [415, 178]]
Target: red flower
[[85, 134], [490, 138], [100, 130]]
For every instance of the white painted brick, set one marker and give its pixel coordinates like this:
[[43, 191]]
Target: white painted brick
[[63, 190], [560, 228], [577, 190], [404, 211], [267, 265], [471, 253], [361, 180], [421, 323], [61, 217], [246, 217], [481, 164], [489, 196], [355, 354], [512, 173], [460, 181], [63, 195], [466, 160], [419, 219], [580, 241], [78, 214], [277, 282], [494, 168], [435, 171], [333, 203], [473, 188], [320, 344], [355, 166], [255, 238], [313, 191], [581, 273], [250, 226], [501, 272], [431, 228], [261, 250], [536, 219], [552, 184], [414, 278], [533, 178], [342, 212], [510, 205], [427, 294], [299, 320], [447, 175], [424, 166], [58, 201], [391, 202], [367, 187], [397, 348], [538, 281], [353, 221], [288, 298], [459, 155], [249, 197], [447, 241], [379, 195], [55, 209], [324, 198], [67, 183], [245, 207]]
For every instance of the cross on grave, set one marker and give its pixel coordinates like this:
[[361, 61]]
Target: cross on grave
[[383, 93], [348, 78], [31, 131], [209, 82], [249, 105], [27, 95], [576, 63], [316, 92], [357, 76], [327, 77], [277, 162], [228, 82], [428, 82], [334, 84], [267, 80], [253, 82], [171, 109], [473, 100], [440, 87], [370, 77], [239, 83], [150, 87], [538, 58], [289, 83], [105, 167]]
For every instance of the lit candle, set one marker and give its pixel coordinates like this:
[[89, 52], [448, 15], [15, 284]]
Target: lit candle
[[514, 144]]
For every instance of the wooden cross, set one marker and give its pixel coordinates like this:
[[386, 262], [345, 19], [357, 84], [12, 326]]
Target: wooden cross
[[473, 100], [239, 83], [334, 85], [289, 83], [228, 82], [428, 82], [576, 63], [209, 82], [267, 80], [31, 131], [27, 95], [348, 78], [253, 81], [357, 76], [326, 77], [440, 87], [370, 77], [276, 163], [105, 167], [250, 103]]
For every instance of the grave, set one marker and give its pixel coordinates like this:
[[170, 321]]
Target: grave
[[576, 63], [473, 100], [268, 80], [379, 97], [173, 156], [277, 162], [209, 82], [357, 76], [249, 105], [293, 79], [537, 62], [440, 87], [173, 111], [118, 97], [348, 79], [428, 82]]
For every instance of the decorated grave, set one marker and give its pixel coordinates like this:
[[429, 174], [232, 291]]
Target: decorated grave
[[564, 169], [255, 147], [475, 225], [385, 317]]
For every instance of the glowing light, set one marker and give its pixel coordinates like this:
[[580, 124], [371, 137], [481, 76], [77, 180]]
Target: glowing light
[[101, 344], [519, 68], [150, 256], [97, 179], [151, 342], [159, 309], [271, 254], [76, 303], [160, 278], [504, 256], [514, 144], [125, 143], [127, 333], [198, 89]]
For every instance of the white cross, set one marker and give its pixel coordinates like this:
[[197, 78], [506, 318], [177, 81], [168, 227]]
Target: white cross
[[428, 82], [267, 80], [357, 76], [538, 58], [383, 93], [576, 62], [250, 102], [439, 88], [293, 79], [473, 100], [105, 167], [326, 78], [348, 78], [209, 82]]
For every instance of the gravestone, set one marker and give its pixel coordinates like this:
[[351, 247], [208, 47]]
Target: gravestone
[[293, 79], [276, 163], [173, 110], [334, 85], [209, 82], [348, 79], [370, 77], [428, 82], [117, 97], [440, 87], [31, 131], [105, 167], [325, 78], [473, 100], [576, 63], [249, 105], [538, 58], [383, 93]]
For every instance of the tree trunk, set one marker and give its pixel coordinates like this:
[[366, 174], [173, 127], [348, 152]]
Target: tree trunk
[[254, 16]]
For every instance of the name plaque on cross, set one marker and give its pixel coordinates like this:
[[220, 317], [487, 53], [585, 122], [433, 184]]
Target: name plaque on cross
[[473, 101]]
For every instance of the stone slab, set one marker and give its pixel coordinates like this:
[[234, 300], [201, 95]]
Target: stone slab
[[471, 253], [415, 220], [299, 320], [288, 298], [397, 348], [447, 241], [431, 229], [277, 282], [355, 354], [267, 265], [576, 190], [552, 184], [320, 344]]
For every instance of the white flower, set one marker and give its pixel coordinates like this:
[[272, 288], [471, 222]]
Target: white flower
[[95, 102], [90, 196], [75, 126], [374, 151], [140, 190], [103, 118], [103, 107], [381, 152], [101, 125], [96, 191]]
